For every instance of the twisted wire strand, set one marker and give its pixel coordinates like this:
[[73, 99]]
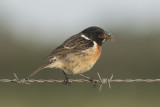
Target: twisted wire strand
[[100, 80]]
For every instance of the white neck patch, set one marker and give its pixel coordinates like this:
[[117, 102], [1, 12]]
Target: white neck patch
[[85, 37], [95, 45]]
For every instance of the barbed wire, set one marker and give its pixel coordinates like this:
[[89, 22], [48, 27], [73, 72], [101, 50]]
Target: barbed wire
[[100, 80]]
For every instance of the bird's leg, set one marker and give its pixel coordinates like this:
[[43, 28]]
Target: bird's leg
[[66, 79], [90, 79]]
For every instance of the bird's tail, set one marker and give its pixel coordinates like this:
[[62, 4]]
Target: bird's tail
[[39, 69]]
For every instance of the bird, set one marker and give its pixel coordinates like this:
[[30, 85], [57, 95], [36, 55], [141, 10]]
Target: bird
[[78, 53]]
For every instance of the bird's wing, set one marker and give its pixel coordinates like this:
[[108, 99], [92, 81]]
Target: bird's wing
[[74, 44]]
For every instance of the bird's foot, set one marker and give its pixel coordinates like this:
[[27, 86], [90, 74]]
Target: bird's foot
[[66, 82]]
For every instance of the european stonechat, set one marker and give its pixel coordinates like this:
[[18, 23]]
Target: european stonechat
[[77, 54]]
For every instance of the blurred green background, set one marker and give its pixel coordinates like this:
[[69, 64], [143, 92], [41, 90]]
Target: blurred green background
[[30, 30]]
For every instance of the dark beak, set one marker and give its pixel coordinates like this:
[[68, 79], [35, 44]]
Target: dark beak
[[108, 36]]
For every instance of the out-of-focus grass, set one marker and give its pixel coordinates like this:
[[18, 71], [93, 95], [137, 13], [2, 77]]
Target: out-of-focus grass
[[127, 57]]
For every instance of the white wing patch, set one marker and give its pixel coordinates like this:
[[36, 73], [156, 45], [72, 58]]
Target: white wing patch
[[85, 37], [91, 49], [66, 47], [52, 59], [69, 47], [54, 63]]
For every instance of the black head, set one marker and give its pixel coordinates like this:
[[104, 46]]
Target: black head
[[96, 34]]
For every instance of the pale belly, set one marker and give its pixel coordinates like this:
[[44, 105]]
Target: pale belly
[[80, 62]]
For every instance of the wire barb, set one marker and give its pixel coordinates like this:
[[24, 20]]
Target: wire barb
[[20, 81], [109, 81], [17, 80], [100, 79]]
